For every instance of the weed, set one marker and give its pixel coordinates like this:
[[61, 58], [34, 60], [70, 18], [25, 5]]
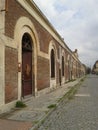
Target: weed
[[20, 104], [35, 122], [52, 106]]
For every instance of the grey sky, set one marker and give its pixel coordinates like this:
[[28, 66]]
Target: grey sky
[[77, 22]]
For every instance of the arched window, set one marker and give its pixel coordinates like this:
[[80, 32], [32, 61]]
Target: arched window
[[52, 64], [62, 65], [26, 42]]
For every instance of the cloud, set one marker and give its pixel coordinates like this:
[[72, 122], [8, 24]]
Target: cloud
[[77, 22], [47, 7]]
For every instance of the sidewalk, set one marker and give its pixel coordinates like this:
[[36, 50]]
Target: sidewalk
[[36, 111]]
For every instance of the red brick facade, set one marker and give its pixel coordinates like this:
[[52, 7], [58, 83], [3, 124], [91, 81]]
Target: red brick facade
[[43, 73], [11, 74], [15, 11], [40, 60]]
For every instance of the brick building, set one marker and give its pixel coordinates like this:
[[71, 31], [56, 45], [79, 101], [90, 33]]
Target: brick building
[[33, 56]]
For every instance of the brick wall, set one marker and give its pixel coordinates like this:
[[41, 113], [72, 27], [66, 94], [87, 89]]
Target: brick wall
[[15, 11], [11, 74], [43, 73]]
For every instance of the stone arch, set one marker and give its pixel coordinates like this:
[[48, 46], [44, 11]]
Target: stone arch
[[52, 51], [63, 62], [24, 25], [69, 67]]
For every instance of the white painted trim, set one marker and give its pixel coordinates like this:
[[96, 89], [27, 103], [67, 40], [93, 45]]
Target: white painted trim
[[44, 55], [2, 74]]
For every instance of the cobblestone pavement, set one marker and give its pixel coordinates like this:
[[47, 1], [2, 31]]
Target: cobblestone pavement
[[80, 113], [37, 109]]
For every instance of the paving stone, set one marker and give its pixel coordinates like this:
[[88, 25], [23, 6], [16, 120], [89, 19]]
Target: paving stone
[[80, 113], [36, 110]]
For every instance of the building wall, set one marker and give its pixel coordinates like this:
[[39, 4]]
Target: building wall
[[15, 22], [13, 15], [43, 75], [2, 69], [11, 74], [2, 16], [43, 36]]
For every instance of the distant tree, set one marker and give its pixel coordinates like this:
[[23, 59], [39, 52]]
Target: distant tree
[[88, 70], [95, 68]]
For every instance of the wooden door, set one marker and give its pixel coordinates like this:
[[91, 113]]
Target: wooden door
[[26, 65], [26, 73]]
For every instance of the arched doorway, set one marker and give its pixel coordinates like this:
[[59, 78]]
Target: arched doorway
[[52, 64], [62, 65], [27, 69]]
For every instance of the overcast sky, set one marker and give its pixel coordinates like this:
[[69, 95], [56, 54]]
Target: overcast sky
[[77, 22]]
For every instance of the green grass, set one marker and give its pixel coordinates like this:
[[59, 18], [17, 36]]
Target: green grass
[[70, 94]]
